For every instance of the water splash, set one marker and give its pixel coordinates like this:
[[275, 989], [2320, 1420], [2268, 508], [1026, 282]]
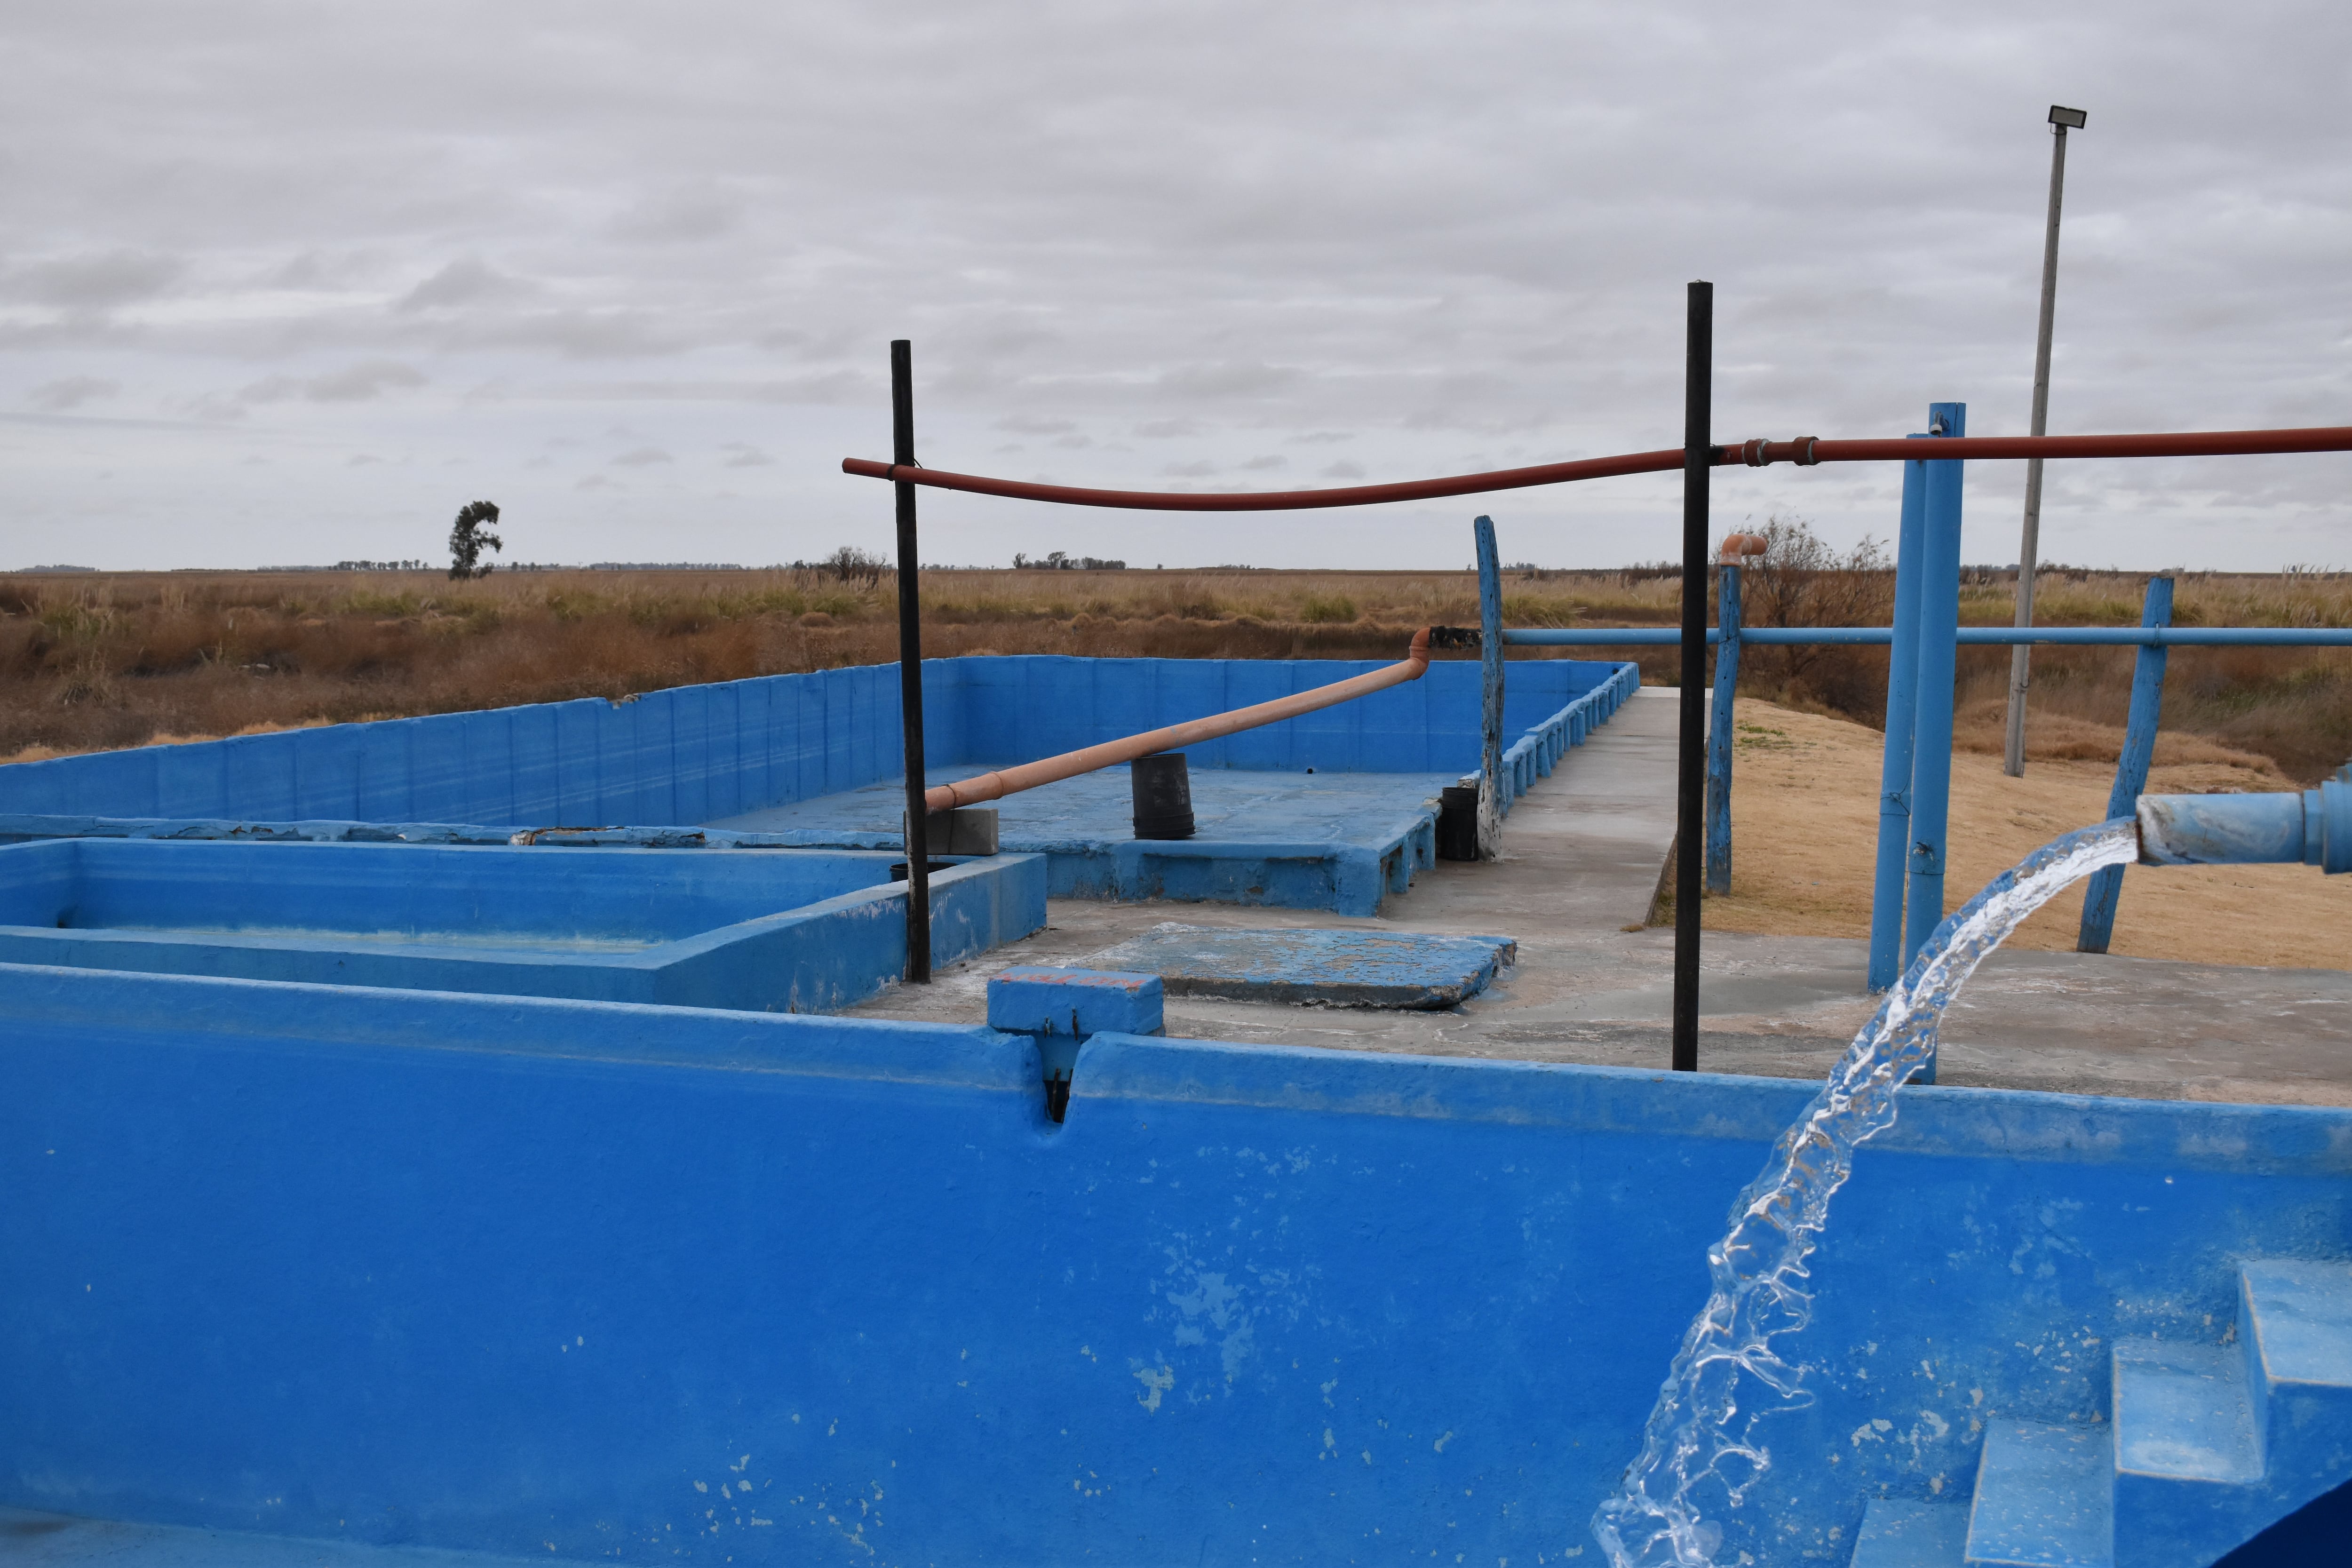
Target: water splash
[[1701, 1451]]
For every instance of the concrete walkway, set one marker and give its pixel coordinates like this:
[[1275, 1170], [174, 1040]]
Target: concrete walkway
[[1581, 859]]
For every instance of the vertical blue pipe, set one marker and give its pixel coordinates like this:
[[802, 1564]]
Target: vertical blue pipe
[[1718, 736], [1901, 711], [1493, 794], [1931, 746], [2107, 888]]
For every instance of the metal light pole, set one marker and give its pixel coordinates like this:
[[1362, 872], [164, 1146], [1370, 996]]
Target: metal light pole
[[2029, 549]]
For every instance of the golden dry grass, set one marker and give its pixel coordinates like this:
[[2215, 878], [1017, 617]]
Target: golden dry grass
[[120, 659], [1805, 812]]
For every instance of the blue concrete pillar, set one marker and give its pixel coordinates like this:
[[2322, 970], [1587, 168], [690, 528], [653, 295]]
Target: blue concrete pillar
[[1901, 711], [1494, 792], [2106, 886], [1931, 748], [1718, 734]]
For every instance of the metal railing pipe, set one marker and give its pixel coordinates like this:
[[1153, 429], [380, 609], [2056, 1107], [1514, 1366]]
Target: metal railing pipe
[[1966, 637], [1494, 798], [1602, 637], [1895, 765], [1804, 451], [1931, 746], [1719, 726], [2106, 888]]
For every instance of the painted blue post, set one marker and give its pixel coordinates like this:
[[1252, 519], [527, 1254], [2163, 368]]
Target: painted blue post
[[1931, 746], [2107, 888], [1901, 711], [1718, 735], [1494, 795]]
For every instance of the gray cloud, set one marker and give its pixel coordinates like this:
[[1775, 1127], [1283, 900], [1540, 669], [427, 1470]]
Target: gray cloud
[[95, 280], [467, 282], [361, 383], [71, 392], [1461, 231], [642, 457]]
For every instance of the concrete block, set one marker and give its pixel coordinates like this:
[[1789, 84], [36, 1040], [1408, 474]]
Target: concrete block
[[965, 830], [1039, 1001]]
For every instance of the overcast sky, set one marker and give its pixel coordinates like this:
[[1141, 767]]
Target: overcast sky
[[293, 283]]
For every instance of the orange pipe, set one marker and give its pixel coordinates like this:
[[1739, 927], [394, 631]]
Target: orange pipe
[[1070, 765]]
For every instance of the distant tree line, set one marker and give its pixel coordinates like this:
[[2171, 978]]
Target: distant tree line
[[1057, 560]]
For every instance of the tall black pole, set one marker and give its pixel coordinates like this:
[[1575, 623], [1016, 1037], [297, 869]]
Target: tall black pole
[[1690, 760], [911, 668]]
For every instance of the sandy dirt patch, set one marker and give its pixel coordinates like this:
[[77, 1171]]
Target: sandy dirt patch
[[1804, 822]]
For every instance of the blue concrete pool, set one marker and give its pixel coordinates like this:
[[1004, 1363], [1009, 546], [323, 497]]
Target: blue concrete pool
[[1331, 810], [588, 1280], [789, 931]]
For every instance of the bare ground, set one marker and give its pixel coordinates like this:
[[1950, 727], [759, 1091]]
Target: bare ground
[[1804, 815]]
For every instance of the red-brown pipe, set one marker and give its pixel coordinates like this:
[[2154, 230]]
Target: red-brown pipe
[[1277, 501], [1110, 753], [1804, 451]]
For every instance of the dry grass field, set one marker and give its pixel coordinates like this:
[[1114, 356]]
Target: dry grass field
[[89, 662]]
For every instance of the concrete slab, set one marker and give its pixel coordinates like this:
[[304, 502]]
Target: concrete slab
[[1410, 970]]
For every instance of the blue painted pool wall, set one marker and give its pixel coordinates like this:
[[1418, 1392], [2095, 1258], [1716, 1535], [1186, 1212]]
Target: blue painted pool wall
[[698, 753], [688, 755], [1053, 704], [518, 1274]]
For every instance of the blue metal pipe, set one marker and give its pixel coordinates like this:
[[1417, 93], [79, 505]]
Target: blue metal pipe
[[1966, 637], [2106, 885], [2313, 828], [1902, 709], [1931, 745], [1718, 734], [1601, 636], [1494, 798]]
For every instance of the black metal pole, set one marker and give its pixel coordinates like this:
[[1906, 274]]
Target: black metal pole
[[911, 668], [1690, 761]]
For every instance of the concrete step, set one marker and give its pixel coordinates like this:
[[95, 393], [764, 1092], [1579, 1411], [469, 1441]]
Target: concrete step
[[2187, 1455], [2044, 1498], [1899, 1534], [2184, 1413], [2295, 1320], [2299, 1316]]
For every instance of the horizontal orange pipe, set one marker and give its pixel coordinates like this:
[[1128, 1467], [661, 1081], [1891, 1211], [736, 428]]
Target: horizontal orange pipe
[[1805, 450], [1274, 501], [1110, 753]]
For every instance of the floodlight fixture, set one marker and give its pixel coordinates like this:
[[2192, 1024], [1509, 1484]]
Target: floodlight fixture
[[2069, 119]]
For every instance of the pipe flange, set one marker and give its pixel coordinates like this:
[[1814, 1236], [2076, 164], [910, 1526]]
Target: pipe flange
[[2329, 831], [1807, 453]]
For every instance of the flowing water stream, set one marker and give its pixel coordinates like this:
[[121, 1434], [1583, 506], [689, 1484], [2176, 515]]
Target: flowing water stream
[[1701, 1451]]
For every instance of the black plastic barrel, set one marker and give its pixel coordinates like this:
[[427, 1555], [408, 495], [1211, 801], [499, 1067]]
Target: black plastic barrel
[[1458, 823], [1163, 795]]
